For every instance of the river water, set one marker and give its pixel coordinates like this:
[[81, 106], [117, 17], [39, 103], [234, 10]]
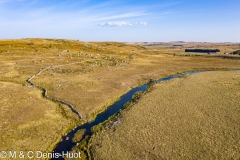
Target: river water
[[66, 144]]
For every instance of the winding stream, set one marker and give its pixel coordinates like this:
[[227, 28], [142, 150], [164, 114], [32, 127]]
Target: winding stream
[[45, 90], [66, 144]]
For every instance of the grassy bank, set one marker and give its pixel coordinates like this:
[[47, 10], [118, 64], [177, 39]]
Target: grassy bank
[[186, 118]]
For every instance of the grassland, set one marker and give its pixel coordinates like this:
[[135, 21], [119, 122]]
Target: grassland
[[88, 75], [26, 119], [195, 117]]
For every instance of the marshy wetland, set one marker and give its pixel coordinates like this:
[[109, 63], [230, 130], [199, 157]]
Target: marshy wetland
[[93, 75]]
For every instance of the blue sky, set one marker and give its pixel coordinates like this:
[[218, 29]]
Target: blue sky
[[125, 20]]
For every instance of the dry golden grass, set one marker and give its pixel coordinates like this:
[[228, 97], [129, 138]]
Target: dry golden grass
[[78, 135], [88, 75], [27, 121], [196, 117], [92, 87]]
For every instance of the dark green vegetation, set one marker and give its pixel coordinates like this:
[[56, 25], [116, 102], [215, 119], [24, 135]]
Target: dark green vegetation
[[236, 52], [202, 50]]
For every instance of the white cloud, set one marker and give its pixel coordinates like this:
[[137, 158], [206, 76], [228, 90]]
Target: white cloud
[[125, 15], [143, 23], [116, 24], [122, 23]]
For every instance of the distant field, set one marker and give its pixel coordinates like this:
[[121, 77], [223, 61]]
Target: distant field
[[178, 48], [88, 75], [196, 117]]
